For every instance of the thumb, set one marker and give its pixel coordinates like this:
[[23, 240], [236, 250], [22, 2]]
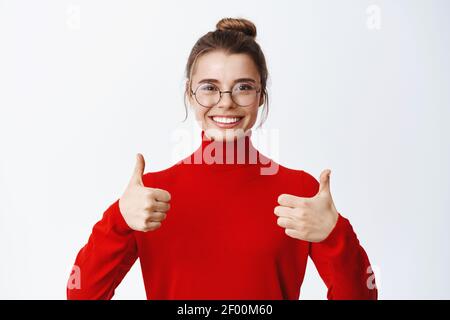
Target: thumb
[[138, 172], [325, 181]]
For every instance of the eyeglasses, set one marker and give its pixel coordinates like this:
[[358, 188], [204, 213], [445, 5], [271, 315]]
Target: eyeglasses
[[243, 94]]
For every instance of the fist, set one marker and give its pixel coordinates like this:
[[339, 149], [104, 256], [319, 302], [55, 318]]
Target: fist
[[143, 208], [308, 219]]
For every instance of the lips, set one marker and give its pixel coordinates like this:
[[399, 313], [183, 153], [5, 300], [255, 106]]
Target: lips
[[226, 121]]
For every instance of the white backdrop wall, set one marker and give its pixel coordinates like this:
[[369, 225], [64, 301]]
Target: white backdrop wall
[[357, 86]]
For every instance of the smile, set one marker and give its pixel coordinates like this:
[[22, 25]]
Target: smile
[[226, 122]]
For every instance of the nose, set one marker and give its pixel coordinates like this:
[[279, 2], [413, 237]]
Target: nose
[[226, 101]]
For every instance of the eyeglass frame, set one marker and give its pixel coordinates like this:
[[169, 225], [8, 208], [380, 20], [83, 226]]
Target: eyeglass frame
[[220, 95]]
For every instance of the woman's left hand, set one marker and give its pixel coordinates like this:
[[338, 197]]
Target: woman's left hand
[[308, 219]]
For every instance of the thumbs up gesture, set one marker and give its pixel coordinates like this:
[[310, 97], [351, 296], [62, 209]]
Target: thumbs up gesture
[[308, 219], [143, 208]]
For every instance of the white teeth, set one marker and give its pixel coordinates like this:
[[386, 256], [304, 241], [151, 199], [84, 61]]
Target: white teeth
[[226, 119]]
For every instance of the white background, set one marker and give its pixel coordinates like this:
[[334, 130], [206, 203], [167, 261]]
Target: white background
[[84, 85]]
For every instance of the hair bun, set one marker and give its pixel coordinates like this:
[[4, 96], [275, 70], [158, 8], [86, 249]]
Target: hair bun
[[241, 25]]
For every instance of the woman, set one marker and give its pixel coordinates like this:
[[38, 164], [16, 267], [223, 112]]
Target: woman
[[222, 223]]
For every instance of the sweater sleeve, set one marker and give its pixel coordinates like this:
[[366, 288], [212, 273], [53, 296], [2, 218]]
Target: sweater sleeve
[[104, 261], [342, 262]]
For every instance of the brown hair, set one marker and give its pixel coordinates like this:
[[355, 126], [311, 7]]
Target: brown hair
[[232, 36]]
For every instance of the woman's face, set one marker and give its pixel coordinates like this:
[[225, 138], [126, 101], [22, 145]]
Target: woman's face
[[225, 120]]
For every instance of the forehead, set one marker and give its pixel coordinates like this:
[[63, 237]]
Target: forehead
[[224, 67]]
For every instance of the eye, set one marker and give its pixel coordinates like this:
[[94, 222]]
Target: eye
[[244, 87], [208, 87]]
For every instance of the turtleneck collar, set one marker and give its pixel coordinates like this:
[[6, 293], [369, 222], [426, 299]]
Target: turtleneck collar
[[230, 155], [239, 151], [225, 154]]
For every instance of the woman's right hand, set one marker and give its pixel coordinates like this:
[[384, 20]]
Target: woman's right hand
[[143, 208]]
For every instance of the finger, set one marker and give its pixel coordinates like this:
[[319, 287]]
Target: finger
[[138, 171], [152, 225], [161, 195], [289, 200], [286, 222], [325, 181], [161, 206], [282, 211], [157, 217], [293, 234]]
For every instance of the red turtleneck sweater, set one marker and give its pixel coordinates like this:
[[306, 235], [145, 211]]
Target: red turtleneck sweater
[[220, 239]]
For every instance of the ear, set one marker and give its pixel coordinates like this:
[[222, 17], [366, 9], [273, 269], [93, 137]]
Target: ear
[[187, 91], [261, 100]]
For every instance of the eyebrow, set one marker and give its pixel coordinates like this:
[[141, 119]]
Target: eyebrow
[[235, 81]]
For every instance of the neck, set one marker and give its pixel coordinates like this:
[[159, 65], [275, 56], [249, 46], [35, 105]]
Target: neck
[[239, 151], [227, 155]]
